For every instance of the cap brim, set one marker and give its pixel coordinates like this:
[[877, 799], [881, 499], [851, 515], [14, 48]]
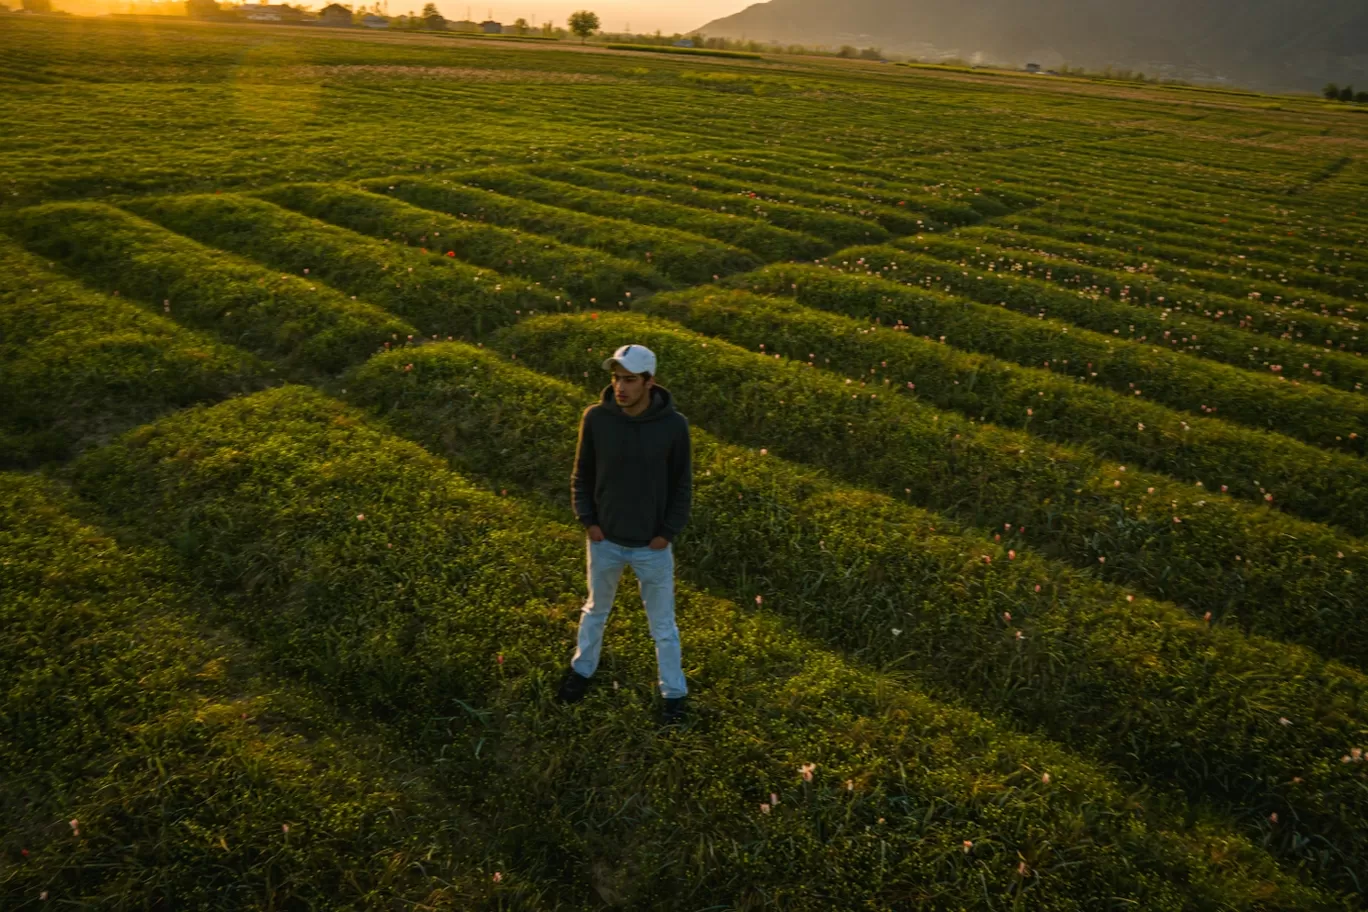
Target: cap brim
[[608, 363]]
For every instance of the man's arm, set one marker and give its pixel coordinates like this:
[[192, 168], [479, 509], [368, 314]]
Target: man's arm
[[582, 476], [680, 497]]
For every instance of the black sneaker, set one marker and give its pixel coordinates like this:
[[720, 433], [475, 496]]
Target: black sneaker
[[673, 711], [572, 687]]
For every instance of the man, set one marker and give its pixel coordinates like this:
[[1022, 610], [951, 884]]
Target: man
[[631, 488]]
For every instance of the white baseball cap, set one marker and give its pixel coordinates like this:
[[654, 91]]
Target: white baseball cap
[[636, 358]]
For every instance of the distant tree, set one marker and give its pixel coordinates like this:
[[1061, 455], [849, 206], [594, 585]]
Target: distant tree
[[583, 23], [1361, 98], [201, 9], [548, 30], [1331, 91], [520, 25], [871, 53], [38, 6], [433, 18], [847, 50], [1347, 93]]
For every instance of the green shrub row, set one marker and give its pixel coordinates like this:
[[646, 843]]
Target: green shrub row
[[362, 563], [686, 258], [1281, 320], [1284, 252], [147, 762], [273, 315], [1136, 683], [1292, 580], [895, 218], [984, 195], [438, 294], [1311, 483], [735, 176], [1238, 220], [830, 226], [76, 366], [1316, 414], [551, 264], [761, 238], [1131, 322], [1295, 287]]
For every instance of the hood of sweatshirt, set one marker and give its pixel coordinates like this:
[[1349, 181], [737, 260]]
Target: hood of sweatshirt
[[662, 404]]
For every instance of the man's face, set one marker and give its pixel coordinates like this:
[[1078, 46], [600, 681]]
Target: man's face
[[629, 389]]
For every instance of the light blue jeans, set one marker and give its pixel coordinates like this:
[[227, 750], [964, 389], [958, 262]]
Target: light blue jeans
[[655, 575]]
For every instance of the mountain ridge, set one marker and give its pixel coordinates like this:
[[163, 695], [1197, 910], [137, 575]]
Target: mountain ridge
[[1268, 44]]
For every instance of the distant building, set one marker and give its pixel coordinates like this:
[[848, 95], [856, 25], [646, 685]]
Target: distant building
[[1033, 68], [370, 20], [335, 14], [464, 25], [490, 27], [268, 12], [684, 43]]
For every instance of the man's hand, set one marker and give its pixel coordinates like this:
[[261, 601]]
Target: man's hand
[[595, 534], [659, 544]]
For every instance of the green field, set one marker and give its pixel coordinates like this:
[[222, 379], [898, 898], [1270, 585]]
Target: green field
[[1030, 489]]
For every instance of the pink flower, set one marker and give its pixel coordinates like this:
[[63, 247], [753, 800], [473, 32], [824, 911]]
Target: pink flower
[[1045, 778], [361, 517], [774, 799], [1207, 617], [1037, 587], [806, 769], [1011, 555], [498, 877], [1006, 617], [1273, 817], [284, 828], [499, 659], [968, 844], [759, 600], [764, 808]]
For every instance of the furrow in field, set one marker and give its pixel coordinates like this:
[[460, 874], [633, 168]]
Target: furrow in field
[[1240, 278], [830, 226], [1135, 682], [1299, 363], [150, 759], [759, 237], [891, 216], [1316, 414], [1266, 571], [1271, 318], [1211, 453], [685, 258], [306, 326], [77, 367], [419, 557], [440, 295], [581, 272]]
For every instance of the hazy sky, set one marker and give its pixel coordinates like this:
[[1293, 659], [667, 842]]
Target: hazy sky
[[644, 16]]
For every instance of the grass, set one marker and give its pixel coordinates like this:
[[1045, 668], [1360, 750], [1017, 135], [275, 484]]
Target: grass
[[410, 653], [297, 326], [78, 367]]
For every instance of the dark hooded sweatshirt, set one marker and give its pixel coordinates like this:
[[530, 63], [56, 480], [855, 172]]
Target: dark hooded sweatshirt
[[633, 476]]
